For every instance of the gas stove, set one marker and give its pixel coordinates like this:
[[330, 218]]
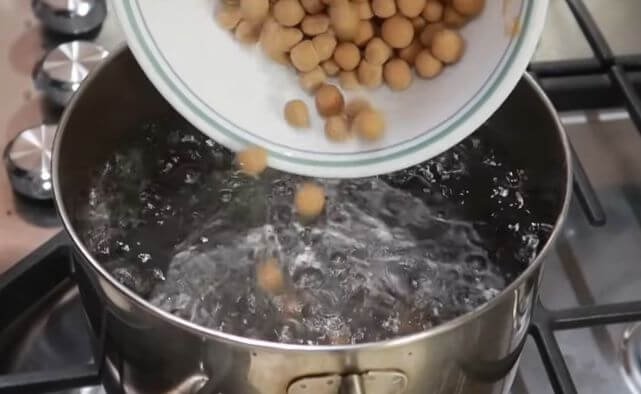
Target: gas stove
[[586, 333]]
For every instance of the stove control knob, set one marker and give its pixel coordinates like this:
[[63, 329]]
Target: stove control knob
[[70, 16], [28, 162], [65, 67]]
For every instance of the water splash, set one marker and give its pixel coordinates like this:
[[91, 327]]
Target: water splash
[[390, 255]]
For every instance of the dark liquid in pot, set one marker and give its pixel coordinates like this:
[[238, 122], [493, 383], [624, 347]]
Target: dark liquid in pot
[[169, 217]]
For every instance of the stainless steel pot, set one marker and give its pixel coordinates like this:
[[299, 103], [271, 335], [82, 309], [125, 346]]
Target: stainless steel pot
[[151, 351]]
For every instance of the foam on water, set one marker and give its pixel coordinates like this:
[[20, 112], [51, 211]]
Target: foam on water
[[389, 256]]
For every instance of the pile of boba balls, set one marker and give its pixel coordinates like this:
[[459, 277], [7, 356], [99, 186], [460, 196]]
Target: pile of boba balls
[[360, 43]]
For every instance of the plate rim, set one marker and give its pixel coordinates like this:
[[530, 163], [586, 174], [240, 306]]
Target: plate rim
[[391, 158]]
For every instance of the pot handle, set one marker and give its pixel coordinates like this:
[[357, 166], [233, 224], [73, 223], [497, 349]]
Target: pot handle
[[352, 384], [370, 382]]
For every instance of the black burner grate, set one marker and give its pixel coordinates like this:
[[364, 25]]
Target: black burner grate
[[23, 290], [546, 322], [600, 82], [603, 81]]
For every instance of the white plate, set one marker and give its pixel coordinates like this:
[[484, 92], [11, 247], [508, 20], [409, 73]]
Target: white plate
[[236, 95]]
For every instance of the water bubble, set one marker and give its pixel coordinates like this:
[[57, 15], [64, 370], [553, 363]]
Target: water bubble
[[144, 257], [225, 196], [158, 274], [191, 178]]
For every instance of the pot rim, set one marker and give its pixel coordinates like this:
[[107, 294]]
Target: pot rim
[[269, 345]]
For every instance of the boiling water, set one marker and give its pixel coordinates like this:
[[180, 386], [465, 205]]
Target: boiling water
[[169, 218]]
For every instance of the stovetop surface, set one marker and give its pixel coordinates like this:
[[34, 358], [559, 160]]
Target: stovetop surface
[[25, 224], [588, 265]]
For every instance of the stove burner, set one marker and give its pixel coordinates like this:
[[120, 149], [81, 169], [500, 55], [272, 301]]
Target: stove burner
[[28, 162], [630, 352], [65, 67], [70, 16]]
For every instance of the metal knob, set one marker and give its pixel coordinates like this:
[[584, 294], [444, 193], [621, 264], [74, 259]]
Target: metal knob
[[70, 16], [65, 67], [28, 162]]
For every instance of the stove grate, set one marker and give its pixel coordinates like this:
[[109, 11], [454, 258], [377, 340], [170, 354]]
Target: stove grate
[[603, 81], [24, 289], [600, 82], [546, 322]]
